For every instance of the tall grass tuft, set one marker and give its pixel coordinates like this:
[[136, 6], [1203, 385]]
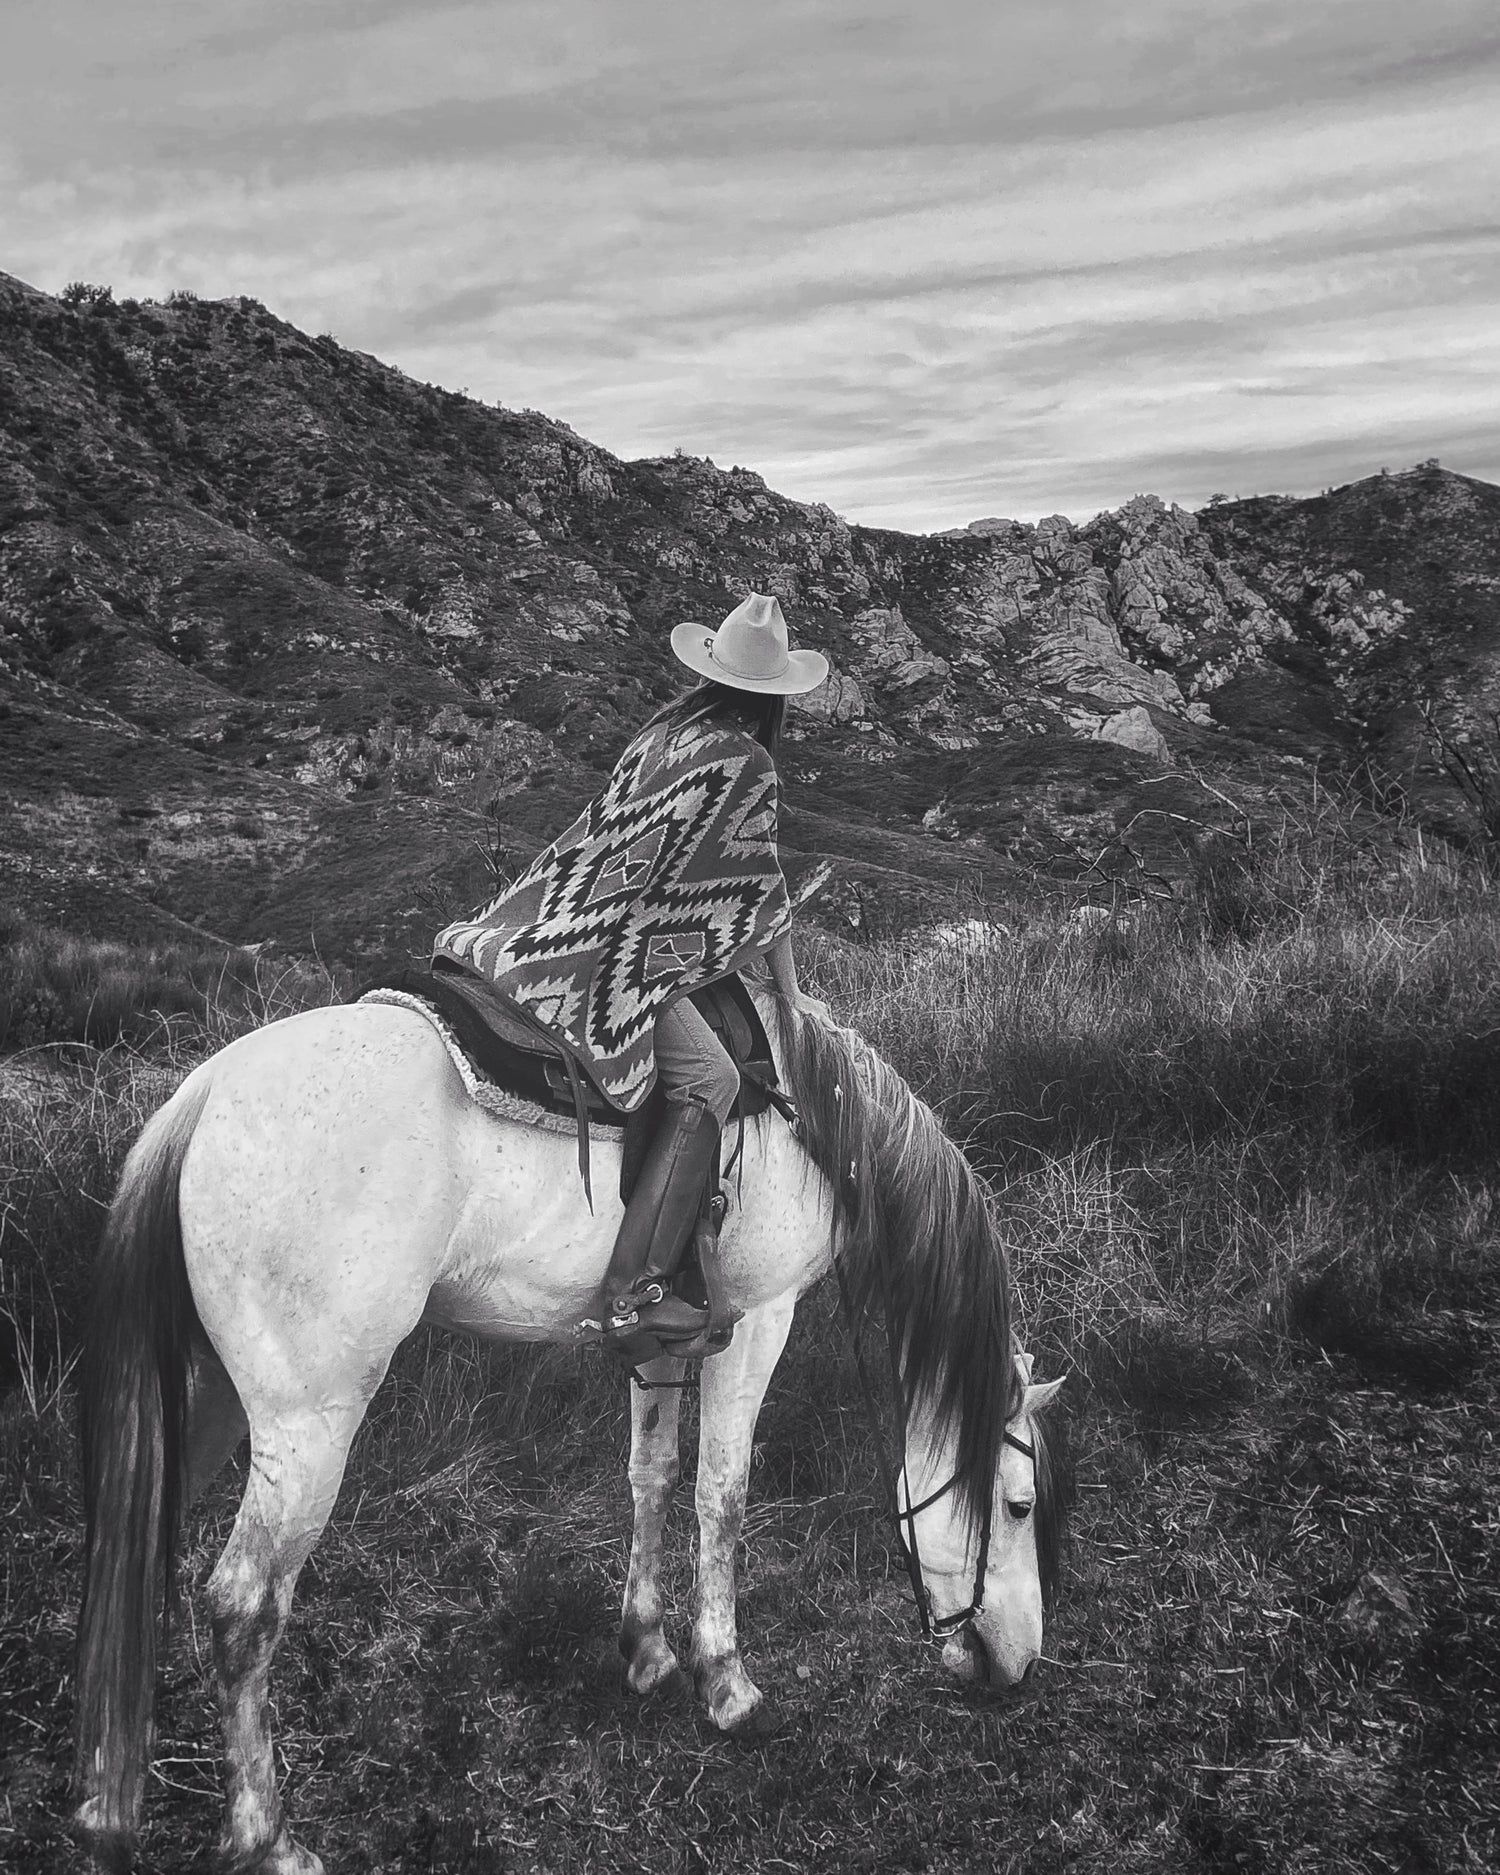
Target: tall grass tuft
[[58, 987], [1266, 1111], [70, 1110]]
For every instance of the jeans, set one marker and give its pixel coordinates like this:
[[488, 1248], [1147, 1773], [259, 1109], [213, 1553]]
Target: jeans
[[691, 1062]]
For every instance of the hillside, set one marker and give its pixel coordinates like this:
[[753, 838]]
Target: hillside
[[289, 642]]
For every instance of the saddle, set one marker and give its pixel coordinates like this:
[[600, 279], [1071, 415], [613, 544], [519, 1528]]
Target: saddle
[[509, 1046]]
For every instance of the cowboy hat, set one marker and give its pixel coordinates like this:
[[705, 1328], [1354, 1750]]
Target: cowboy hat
[[749, 651]]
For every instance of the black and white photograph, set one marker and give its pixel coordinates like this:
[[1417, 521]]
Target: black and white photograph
[[749, 937]]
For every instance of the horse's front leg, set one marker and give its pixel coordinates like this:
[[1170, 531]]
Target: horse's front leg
[[734, 1384], [654, 1465]]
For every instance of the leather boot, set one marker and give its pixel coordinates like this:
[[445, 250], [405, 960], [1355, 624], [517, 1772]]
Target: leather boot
[[658, 1221]]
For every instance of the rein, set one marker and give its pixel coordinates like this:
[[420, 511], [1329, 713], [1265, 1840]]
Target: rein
[[905, 1521]]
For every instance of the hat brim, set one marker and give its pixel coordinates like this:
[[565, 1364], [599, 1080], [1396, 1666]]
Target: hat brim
[[694, 646]]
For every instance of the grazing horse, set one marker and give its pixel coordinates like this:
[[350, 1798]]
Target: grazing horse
[[320, 1187]]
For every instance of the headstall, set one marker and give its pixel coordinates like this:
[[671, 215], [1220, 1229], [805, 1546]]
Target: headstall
[[905, 1521]]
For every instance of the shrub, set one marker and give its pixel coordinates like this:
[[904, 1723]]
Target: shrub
[[82, 293]]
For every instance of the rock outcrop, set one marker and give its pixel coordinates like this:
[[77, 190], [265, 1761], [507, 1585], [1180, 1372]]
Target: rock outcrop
[[238, 564]]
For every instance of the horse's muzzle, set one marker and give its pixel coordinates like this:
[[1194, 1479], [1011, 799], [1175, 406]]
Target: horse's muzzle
[[978, 1664]]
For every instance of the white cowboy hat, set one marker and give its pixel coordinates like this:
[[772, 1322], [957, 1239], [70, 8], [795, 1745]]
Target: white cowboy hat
[[749, 651]]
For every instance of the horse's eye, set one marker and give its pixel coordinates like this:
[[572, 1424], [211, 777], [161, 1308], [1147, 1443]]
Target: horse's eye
[[1019, 1511]]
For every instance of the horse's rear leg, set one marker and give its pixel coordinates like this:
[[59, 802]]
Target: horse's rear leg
[[654, 1464], [295, 1468], [734, 1384]]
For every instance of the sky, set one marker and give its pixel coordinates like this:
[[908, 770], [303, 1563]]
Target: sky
[[924, 262]]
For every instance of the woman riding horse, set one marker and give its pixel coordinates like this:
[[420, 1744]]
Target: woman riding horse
[[324, 1184], [665, 883]]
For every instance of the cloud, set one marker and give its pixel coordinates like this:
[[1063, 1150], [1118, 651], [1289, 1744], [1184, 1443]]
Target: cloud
[[919, 263]]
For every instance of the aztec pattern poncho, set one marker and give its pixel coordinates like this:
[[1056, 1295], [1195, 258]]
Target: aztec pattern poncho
[[665, 882]]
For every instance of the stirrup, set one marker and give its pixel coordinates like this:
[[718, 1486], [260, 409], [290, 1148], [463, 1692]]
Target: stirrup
[[643, 1308], [639, 1335]]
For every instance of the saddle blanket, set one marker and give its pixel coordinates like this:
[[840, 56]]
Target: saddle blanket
[[483, 1091], [513, 1073]]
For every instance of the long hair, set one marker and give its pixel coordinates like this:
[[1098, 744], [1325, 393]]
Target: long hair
[[759, 715], [134, 1396], [914, 1236]]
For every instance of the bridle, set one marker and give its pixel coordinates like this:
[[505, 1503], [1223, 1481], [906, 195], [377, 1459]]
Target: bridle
[[905, 1521]]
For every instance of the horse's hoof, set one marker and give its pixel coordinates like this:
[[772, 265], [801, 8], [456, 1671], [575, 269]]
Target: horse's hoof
[[286, 1856], [761, 1721], [651, 1666], [110, 1850], [294, 1860], [733, 1701]]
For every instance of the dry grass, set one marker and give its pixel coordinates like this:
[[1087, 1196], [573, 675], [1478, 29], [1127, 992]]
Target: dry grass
[[1241, 1154], [1218, 1124], [69, 1112], [55, 987]]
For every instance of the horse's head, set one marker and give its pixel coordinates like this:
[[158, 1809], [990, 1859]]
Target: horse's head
[[992, 1616]]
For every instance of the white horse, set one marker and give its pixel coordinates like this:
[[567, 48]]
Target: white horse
[[312, 1193]]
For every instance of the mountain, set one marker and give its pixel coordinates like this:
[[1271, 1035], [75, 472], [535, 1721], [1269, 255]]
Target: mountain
[[295, 647]]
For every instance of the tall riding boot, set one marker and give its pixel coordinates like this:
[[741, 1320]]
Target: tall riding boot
[[658, 1221]]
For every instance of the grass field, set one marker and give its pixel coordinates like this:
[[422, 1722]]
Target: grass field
[[1244, 1152]]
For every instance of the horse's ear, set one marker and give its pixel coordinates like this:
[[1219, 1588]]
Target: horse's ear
[[1023, 1361], [1042, 1396]]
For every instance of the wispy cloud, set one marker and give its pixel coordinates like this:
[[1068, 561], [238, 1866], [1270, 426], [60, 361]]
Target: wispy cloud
[[921, 263]]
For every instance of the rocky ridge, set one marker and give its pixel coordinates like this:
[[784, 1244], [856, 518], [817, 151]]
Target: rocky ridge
[[287, 638]]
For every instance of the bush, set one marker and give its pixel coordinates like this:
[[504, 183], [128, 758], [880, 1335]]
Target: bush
[[82, 293]]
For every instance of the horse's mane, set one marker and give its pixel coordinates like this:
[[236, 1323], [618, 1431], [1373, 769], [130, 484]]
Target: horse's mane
[[911, 1227], [1053, 1492]]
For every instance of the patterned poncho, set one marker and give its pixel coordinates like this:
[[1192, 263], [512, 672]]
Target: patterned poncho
[[665, 882]]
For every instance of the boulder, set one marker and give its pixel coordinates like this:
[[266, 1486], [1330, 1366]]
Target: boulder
[[838, 700], [1134, 729]]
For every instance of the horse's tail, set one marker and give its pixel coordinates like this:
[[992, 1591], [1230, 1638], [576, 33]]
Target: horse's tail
[[134, 1373]]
